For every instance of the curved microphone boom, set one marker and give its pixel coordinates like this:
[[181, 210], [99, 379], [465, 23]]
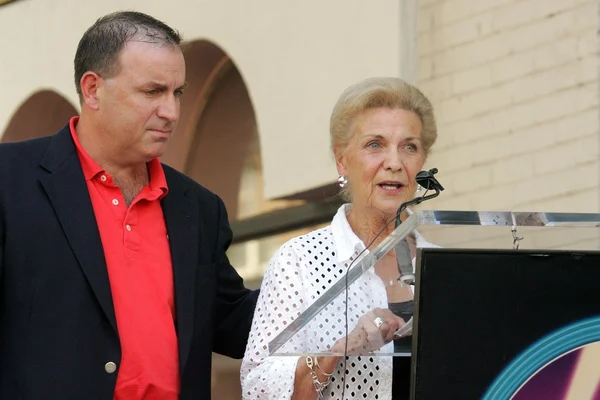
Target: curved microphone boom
[[427, 180]]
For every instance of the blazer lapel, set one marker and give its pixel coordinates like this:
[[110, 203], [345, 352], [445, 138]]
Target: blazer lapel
[[181, 218], [68, 193]]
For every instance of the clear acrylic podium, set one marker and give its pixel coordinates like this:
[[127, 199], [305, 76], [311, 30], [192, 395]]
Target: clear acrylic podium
[[507, 249], [532, 230]]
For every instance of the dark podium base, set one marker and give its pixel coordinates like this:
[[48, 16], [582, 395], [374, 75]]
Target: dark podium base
[[487, 322], [401, 382]]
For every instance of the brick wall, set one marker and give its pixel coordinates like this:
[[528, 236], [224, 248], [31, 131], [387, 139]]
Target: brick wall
[[515, 88]]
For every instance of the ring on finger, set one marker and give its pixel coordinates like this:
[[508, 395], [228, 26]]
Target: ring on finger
[[378, 322]]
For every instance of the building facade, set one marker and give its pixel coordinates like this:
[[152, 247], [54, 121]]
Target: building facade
[[514, 84]]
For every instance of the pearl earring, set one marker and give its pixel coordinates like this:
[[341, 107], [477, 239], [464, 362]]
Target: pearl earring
[[342, 181]]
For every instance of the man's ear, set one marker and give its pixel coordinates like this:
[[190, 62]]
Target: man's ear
[[90, 84]]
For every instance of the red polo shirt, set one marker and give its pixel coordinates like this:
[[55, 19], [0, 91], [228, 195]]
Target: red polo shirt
[[138, 258]]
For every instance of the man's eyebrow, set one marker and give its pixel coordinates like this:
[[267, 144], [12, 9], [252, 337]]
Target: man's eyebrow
[[162, 86], [156, 85]]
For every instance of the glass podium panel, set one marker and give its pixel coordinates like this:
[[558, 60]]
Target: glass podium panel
[[346, 305]]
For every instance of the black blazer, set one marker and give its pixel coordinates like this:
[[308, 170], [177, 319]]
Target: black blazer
[[57, 321]]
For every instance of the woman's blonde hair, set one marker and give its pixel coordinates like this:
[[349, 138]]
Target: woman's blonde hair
[[379, 93]]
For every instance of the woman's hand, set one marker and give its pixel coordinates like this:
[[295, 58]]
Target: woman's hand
[[374, 329]]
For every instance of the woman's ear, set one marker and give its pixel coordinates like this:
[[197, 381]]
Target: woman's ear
[[340, 161]]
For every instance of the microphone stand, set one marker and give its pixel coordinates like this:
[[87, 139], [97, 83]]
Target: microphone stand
[[427, 180]]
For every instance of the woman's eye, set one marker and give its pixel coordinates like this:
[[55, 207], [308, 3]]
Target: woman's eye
[[411, 147], [373, 145]]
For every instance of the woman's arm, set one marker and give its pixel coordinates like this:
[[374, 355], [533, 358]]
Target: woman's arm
[[374, 329], [283, 297], [304, 382]]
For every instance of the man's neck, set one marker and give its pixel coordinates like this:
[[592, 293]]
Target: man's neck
[[129, 177], [132, 185]]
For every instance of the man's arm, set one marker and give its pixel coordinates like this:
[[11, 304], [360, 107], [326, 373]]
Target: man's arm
[[2, 221], [234, 303], [2, 240]]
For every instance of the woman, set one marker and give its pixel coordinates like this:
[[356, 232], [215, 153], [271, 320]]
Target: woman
[[381, 132]]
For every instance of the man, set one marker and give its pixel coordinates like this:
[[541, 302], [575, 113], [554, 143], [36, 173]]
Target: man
[[114, 281]]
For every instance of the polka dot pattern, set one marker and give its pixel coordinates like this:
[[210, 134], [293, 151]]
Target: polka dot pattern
[[298, 274]]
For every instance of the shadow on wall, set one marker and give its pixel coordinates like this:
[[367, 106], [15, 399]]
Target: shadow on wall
[[217, 124], [42, 114]]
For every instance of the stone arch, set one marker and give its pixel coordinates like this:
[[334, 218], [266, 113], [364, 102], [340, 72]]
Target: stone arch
[[42, 114], [217, 124]]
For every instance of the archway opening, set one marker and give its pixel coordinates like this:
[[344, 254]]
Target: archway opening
[[42, 114]]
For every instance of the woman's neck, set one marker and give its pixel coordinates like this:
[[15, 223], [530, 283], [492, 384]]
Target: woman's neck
[[367, 224]]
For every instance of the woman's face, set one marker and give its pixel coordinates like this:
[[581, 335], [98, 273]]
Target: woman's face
[[382, 159]]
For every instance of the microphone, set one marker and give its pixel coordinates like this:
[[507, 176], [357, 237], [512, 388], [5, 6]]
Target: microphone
[[427, 180]]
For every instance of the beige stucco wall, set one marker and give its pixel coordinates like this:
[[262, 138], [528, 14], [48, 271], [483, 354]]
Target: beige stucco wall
[[295, 57]]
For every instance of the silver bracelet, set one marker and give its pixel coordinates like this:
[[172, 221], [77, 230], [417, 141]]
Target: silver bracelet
[[318, 385], [319, 367]]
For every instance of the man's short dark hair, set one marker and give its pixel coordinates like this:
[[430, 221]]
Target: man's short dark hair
[[99, 48]]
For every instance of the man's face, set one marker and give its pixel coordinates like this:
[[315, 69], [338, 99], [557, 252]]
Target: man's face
[[139, 105]]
